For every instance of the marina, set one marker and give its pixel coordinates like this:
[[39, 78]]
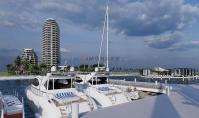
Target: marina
[[177, 91], [183, 97], [154, 75]]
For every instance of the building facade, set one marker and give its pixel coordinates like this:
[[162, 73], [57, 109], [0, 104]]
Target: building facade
[[51, 43], [184, 72], [176, 72], [30, 55]]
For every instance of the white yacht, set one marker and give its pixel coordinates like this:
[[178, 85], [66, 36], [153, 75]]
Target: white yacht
[[11, 106], [52, 96], [96, 83], [96, 86]]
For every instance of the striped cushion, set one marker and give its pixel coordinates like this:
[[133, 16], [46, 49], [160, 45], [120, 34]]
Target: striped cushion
[[65, 95], [104, 89]]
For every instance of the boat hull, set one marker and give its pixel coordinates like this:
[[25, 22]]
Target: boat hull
[[19, 115]]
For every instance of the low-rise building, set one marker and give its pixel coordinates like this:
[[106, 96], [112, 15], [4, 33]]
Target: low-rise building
[[30, 55]]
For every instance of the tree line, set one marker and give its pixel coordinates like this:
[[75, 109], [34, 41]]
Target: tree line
[[24, 67]]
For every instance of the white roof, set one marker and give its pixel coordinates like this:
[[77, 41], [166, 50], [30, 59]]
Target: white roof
[[28, 49], [159, 69], [50, 19]]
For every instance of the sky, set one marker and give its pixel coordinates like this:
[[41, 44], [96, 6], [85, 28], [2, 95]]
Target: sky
[[143, 33]]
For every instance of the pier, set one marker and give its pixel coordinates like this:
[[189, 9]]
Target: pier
[[26, 77], [171, 77], [142, 86]]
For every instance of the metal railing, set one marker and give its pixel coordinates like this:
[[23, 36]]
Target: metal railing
[[136, 84]]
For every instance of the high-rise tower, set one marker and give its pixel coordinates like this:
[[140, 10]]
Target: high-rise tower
[[51, 43]]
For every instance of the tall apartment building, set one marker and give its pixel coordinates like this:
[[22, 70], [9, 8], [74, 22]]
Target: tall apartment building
[[30, 55], [51, 43]]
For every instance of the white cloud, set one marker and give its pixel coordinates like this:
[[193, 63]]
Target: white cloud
[[184, 46], [131, 18], [164, 41], [64, 50]]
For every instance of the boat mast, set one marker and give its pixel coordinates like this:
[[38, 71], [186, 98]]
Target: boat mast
[[107, 37], [102, 40], [106, 25]]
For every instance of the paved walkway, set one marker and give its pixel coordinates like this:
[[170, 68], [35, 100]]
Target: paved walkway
[[182, 103]]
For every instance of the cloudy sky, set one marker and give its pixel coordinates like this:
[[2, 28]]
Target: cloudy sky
[[143, 33]]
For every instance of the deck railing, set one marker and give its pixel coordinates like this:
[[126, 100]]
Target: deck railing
[[38, 92]]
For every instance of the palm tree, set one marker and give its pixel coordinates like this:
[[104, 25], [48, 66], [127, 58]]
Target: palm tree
[[10, 68], [43, 68], [18, 61]]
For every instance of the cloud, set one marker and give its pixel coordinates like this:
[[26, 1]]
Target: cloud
[[131, 18], [171, 41], [164, 41], [64, 50], [184, 46], [152, 17]]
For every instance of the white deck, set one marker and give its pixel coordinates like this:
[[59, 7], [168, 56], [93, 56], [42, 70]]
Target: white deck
[[183, 102]]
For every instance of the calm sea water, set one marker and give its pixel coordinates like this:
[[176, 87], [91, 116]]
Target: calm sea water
[[7, 87]]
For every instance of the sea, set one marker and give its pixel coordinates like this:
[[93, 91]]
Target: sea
[[10, 86]]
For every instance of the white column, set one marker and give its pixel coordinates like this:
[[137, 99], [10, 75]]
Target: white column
[[165, 81], [156, 82], [168, 90], [75, 110]]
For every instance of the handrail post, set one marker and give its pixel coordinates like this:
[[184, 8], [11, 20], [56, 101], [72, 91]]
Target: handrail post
[[23, 108], [2, 113]]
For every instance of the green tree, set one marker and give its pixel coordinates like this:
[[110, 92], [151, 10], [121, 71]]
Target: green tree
[[82, 67], [18, 61], [25, 64], [43, 68], [10, 69]]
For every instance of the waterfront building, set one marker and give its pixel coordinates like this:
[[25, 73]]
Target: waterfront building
[[30, 55], [176, 72], [146, 72], [51, 43], [183, 72]]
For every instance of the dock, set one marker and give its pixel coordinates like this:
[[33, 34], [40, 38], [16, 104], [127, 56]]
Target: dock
[[27, 77], [170, 77], [142, 86], [183, 102]]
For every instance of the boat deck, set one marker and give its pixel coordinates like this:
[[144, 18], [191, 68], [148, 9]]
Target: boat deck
[[183, 102]]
